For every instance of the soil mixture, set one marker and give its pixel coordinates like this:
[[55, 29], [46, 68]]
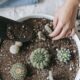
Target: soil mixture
[[30, 29]]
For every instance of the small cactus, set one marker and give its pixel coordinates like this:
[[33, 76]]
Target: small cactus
[[63, 55], [18, 71], [48, 29], [14, 49], [39, 58], [41, 36]]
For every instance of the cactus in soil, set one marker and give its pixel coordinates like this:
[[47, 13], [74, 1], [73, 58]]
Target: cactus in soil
[[63, 55], [18, 71], [48, 29], [39, 58]]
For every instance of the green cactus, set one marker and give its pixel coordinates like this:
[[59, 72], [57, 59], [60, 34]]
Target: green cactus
[[63, 55], [39, 58], [18, 71]]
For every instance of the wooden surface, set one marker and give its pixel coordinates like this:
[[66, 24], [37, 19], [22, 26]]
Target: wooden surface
[[44, 7]]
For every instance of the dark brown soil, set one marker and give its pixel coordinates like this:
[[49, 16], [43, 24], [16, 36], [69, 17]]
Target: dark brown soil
[[31, 27]]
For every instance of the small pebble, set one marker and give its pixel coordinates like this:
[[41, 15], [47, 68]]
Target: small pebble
[[48, 45], [34, 29], [74, 51], [57, 49], [24, 36], [5, 69], [36, 40], [23, 26], [1, 50], [9, 28], [0, 55], [70, 68]]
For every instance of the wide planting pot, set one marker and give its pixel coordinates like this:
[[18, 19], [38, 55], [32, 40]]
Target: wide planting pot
[[75, 37]]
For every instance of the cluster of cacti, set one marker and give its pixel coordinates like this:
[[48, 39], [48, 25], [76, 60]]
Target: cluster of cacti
[[63, 55], [18, 71], [39, 58], [14, 49]]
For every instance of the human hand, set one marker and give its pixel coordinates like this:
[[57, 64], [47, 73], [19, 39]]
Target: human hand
[[64, 22]]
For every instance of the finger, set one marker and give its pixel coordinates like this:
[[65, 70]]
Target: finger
[[68, 33], [73, 32], [62, 34], [55, 21], [57, 30]]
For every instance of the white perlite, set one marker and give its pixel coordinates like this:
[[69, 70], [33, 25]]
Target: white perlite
[[50, 77], [14, 49], [48, 29]]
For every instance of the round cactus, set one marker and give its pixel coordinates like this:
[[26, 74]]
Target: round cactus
[[63, 55], [39, 58], [18, 71]]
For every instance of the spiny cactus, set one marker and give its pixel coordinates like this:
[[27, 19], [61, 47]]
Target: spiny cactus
[[18, 71], [63, 55], [39, 58]]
